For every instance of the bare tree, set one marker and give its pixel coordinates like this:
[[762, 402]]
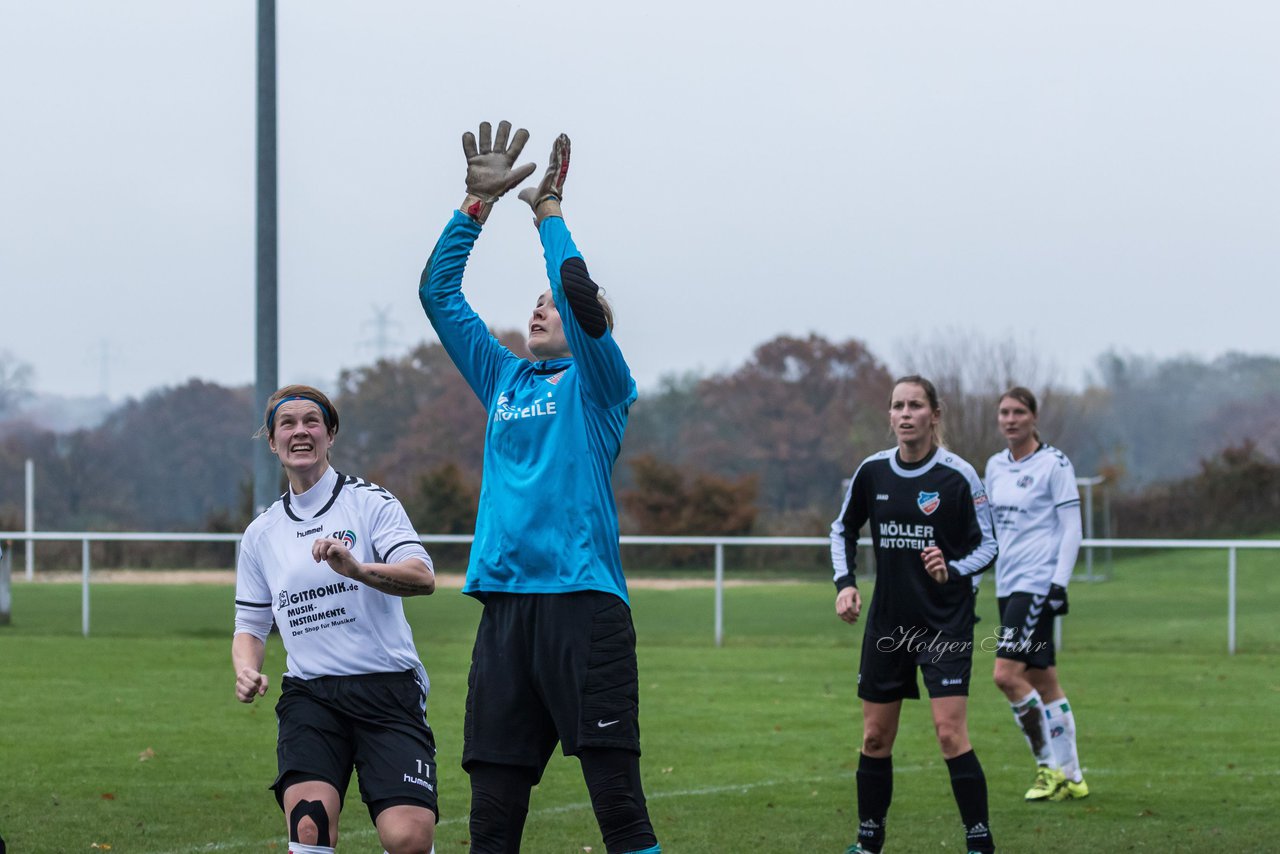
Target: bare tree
[[971, 370], [15, 383]]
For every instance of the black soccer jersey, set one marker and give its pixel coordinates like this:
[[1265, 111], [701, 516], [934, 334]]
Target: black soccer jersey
[[937, 501]]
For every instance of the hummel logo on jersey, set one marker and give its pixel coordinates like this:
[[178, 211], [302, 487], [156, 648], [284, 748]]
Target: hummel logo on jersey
[[880, 496], [317, 529], [348, 538], [606, 724], [361, 483], [928, 502]]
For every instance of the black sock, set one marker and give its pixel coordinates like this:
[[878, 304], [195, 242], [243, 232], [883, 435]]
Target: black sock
[[875, 792], [969, 785]]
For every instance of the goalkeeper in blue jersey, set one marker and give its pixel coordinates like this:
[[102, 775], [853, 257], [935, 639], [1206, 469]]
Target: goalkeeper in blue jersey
[[554, 658]]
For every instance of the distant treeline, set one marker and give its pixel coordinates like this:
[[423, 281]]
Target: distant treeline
[[1188, 446]]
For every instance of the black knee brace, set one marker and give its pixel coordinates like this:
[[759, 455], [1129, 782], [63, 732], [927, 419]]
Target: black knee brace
[[315, 811]]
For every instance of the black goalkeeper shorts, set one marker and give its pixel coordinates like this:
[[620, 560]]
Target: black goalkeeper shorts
[[551, 667]]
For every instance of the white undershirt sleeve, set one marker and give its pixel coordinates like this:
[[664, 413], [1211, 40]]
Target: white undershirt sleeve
[[1069, 544], [254, 621]]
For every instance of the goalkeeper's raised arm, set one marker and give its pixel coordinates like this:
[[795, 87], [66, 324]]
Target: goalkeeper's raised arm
[[585, 316]]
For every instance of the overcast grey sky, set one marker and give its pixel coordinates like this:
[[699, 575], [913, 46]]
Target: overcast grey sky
[[1084, 175]]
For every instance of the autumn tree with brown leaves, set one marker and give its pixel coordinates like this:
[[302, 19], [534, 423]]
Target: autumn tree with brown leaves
[[798, 416], [413, 415]]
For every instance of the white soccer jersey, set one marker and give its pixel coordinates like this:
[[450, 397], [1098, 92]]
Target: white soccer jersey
[[330, 625], [1025, 496]]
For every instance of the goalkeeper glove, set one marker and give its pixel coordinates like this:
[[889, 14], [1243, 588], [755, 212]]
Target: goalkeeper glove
[[491, 167], [545, 198]]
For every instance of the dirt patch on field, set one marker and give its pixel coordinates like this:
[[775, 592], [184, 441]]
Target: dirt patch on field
[[444, 580]]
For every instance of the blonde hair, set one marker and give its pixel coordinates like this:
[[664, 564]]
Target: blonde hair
[[606, 308]]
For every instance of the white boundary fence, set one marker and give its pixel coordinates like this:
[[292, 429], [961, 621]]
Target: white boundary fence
[[1232, 547]]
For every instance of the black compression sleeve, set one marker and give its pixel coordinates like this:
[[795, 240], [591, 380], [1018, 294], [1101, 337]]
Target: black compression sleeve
[[581, 293]]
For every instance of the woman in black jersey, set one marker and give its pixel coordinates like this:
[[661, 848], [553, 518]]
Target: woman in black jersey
[[931, 529]]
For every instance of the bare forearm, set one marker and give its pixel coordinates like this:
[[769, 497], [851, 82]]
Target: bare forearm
[[410, 577], [247, 651]]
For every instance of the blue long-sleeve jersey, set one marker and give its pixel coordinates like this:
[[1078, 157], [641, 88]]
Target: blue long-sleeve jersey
[[547, 521]]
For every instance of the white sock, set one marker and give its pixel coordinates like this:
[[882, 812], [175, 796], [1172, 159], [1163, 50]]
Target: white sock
[[1062, 735], [1030, 719], [299, 848]]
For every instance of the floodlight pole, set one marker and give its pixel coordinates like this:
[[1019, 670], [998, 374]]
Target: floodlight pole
[[265, 470]]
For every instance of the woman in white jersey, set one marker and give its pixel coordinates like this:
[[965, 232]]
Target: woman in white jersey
[[328, 563], [931, 531], [1032, 487]]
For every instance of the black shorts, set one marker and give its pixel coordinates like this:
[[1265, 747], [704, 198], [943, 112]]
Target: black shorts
[[551, 667], [1026, 630], [373, 722], [887, 671]]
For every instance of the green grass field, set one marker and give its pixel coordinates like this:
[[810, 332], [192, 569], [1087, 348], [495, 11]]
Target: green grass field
[[132, 738]]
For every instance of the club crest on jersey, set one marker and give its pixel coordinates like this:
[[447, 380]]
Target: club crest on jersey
[[928, 502], [555, 379], [348, 538], [1025, 481]]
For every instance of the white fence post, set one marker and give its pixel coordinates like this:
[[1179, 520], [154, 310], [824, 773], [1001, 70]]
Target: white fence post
[[1089, 483], [719, 594], [31, 518], [84, 593], [6, 587], [1231, 601]]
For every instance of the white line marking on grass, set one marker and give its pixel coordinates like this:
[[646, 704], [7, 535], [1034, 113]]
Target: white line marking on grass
[[372, 833]]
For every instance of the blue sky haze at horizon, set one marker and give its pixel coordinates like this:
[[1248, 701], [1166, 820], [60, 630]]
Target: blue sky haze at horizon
[[1083, 176]]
